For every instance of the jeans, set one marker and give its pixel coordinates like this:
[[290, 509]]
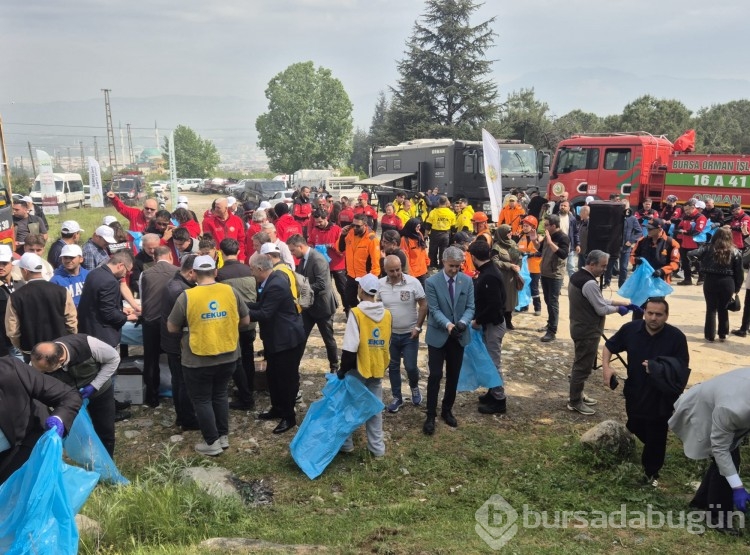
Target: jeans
[[583, 364], [207, 388], [451, 354], [493, 339], [551, 290], [571, 263], [183, 406], [403, 345], [374, 424], [325, 327], [623, 261]]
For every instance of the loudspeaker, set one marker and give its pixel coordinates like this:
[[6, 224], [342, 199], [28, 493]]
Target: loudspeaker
[[606, 226]]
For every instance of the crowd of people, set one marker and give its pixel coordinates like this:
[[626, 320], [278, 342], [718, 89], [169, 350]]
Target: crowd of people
[[202, 289]]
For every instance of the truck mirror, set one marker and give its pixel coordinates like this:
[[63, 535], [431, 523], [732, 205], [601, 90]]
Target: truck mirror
[[545, 162]]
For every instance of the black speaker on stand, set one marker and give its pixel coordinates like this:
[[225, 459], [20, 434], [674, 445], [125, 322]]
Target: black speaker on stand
[[606, 226]]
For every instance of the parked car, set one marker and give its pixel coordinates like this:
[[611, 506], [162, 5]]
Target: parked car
[[189, 184], [282, 196], [214, 186], [130, 188], [255, 191], [159, 186]]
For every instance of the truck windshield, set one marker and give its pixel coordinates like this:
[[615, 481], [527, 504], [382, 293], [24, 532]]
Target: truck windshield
[[518, 161], [271, 186], [124, 185], [576, 158]]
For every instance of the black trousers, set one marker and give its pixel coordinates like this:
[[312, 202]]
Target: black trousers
[[244, 374], [339, 280], [746, 312], [718, 291], [283, 380], [325, 327], [350, 297], [715, 494], [439, 241], [183, 406], [13, 459], [686, 264], [451, 355], [151, 352], [102, 412], [653, 433]]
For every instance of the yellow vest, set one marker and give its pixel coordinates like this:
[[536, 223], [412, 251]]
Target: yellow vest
[[374, 342], [442, 219], [213, 319], [286, 270]]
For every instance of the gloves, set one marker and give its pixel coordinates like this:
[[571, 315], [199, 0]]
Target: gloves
[[635, 308], [55, 423], [658, 273], [622, 310], [87, 391], [740, 497], [341, 373], [458, 330]]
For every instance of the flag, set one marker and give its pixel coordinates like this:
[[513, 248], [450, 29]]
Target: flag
[[96, 194], [492, 172]]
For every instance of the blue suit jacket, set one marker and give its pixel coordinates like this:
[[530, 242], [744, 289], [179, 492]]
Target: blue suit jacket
[[441, 312]]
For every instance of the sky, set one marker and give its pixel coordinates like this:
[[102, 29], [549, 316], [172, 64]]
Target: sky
[[595, 55]]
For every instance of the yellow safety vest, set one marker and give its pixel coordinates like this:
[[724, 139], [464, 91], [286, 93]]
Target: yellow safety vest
[[286, 270], [374, 342], [213, 319]]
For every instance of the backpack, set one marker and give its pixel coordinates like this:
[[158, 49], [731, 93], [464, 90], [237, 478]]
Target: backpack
[[306, 296]]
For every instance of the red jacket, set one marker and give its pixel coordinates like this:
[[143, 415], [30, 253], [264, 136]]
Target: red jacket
[[251, 231], [330, 237], [688, 231], [736, 226], [134, 215], [286, 226], [346, 216], [193, 228], [232, 227]]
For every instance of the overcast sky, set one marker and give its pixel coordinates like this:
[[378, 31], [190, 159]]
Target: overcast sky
[[70, 49]]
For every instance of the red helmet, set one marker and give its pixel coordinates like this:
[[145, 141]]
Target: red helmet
[[531, 220], [479, 217]]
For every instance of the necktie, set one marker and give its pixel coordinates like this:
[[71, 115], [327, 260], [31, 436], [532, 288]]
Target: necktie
[[450, 289]]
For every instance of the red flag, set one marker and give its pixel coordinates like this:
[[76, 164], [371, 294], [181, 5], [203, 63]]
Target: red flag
[[685, 142]]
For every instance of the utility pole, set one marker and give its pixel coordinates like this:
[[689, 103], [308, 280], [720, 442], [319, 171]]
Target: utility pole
[[122, 144], [130, 145], [96, 149], [110, 132], [31, 154], [83, 163], [156, 131], [5, 161], [70, 161]]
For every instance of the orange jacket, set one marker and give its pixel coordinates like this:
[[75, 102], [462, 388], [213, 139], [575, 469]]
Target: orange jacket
[[527, 247], [512, 217], [362, 254], [418, 259]]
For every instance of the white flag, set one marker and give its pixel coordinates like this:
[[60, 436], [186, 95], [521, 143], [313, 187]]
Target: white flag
[[96, 195], [47, 182], [492, 172]]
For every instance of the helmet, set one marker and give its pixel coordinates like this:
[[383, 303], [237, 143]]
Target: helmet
[[479, 217], [531, 220]]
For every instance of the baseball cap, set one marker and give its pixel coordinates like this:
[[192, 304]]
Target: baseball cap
[[182, 205], [231, 201], [264, 205], [267, 248], [28, 200], [183, 199], [6, 255], [70, 226], [735, 206], [512, 197], [204, 262], [106, 233], [589, 199], [31, 262], [71, 250], [108, 220], [700, 204], [462, 237], [655, 223], [691, 202], [369, 284], [671, 198]]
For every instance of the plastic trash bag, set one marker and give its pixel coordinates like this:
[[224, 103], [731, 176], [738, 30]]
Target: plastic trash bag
[[322, 249], [703, 236], [137, 239], [39, 501], [84, 447], [477, 368], [641, 285], [345, 406], [524, 295]]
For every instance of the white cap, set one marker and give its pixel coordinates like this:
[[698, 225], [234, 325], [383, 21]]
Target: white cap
[[31, 262], [70, 226], [182, 199], [264, 205], [106, 233], [700, 204], [589, 199], [28, 199], [6, 255], [267, 248], [108, 220], [71, 250], [182, 205], [204, 262], [369, 284], [231, 201]]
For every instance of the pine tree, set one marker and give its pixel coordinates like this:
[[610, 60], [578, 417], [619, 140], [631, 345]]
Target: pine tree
[[444, 88]]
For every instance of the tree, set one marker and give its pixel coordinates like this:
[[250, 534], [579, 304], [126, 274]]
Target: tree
[[525, 118], [360, 158], [574, 122], [723, 128], [656, 116], [309, 120], [193, 156], [445, 87], [379, 135]]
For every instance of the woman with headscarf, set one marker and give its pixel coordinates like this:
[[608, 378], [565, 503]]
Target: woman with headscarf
[[507, 257], [413, 244]]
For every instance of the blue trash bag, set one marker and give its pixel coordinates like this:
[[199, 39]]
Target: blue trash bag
[[39, 501], [641, 285], [672, 229], [84, 447], [137, 239], [322, 249], [345, 406], [524, 295], [703, 236], [477, 368]]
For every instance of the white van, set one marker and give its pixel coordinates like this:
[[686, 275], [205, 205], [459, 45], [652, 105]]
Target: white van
[[69, 188]]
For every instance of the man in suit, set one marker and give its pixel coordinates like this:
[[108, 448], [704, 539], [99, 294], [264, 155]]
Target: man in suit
[[450, 300], [315, 268], [712, 419], [100, 311], [283, 338], [24, 415]]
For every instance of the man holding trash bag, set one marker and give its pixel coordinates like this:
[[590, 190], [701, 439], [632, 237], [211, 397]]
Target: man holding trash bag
[[658, 249], [87, 364], [489, 300], [365, 352], [24, 415]]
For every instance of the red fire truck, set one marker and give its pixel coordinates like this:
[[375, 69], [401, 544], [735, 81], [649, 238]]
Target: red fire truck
[[640, 165]]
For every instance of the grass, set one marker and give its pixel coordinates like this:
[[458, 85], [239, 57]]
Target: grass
[[421, 498]]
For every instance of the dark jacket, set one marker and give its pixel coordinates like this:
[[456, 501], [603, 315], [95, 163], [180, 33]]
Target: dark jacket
[[100, 308], [710, 265], [553, 263], [318, 274], [5, 293], [153, 282], [241, 278], [170, 342], [41, 310], [489, 295], [280, 323]]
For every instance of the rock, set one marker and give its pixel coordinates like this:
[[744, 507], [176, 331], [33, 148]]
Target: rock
[[308, 382], [609, 436], [131, 434], [176, 438], [248, 545], [88, 526], [317, 499], [214, 481], [404, 471], [583, 538], [253, 443]]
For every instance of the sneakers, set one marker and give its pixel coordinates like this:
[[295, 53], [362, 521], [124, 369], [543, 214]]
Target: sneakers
[[416, 396], [214, 449], [685, 282], [582, 408], [588, 400], [740, 333], [537, 313], [549, 336], [395, 404], [224, 442]]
